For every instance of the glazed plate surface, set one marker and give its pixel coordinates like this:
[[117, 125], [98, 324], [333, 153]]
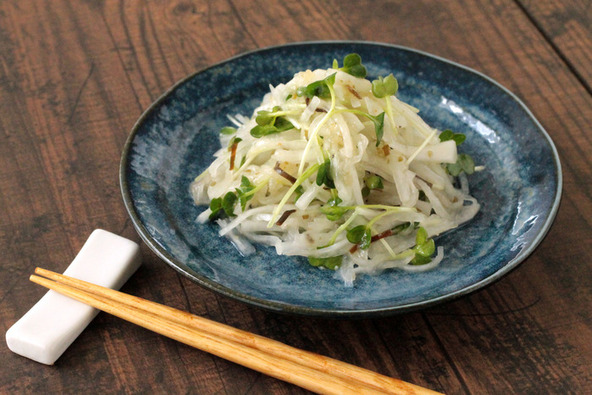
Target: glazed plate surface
[[174, 141]]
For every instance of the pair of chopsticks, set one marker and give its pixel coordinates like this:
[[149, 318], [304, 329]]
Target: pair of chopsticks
[[305, 369]]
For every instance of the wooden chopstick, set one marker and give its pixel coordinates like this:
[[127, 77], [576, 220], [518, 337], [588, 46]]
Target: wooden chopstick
[[248, 339], [305, 369]]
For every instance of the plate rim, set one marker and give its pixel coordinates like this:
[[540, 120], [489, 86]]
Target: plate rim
[[281, 307]]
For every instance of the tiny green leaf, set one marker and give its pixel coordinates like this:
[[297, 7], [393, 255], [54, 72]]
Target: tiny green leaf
[[263, 130], [384, 87], [324, 175], [360, 235], [332, 209], [355, 234], [282, 124], [318, 88], [464, 163], [374, 182], [265, 117], [243, 192], [424, 248], [352, 64], [245, 182], [420, 260], [228, 203], [454, 169], [215, 207], [400, 228], [378, 126], [421, 236], [467, 163], [332, 262], [270, 122], [366, 239], [223, 206], [334, 201], [228, 130], [334, 213], [365, 191], [448, 134], [459, 138]]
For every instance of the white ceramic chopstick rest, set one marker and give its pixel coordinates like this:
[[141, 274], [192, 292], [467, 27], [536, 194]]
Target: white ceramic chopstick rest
[[53, 323]]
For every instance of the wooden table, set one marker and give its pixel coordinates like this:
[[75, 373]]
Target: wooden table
[[74, 77]]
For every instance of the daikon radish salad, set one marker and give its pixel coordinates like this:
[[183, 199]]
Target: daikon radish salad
[[334, 167]]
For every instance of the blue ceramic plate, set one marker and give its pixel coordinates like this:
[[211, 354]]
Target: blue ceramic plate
[[175, 138]]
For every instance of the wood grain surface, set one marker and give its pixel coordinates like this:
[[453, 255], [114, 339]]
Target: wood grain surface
[[75, 76]]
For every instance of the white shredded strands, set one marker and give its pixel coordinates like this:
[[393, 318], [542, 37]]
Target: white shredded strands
[[281, 204]]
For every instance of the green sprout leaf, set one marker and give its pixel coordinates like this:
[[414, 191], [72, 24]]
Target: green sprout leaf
[[324, 175], [265, 117], [228, 130], [243, 192], [446, 135], [242, 162], [332, 262], [318, 88], [222, 207], [228, 203], [378, 122], [355, 234], [424, 248], [464, 163], [215, 207], [334, 213], [420, 260], [421, 236], [384, 87], [366, 239], [332, 209], [270, 122], [260, 131], [400, 228], [450, 135], [372, 182], [334, 201], [360, 235], [352, 64]]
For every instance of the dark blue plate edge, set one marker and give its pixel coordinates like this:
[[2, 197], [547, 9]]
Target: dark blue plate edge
[[317, 312]]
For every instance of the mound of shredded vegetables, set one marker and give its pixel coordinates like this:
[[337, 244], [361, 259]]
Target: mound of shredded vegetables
[[334, 167]]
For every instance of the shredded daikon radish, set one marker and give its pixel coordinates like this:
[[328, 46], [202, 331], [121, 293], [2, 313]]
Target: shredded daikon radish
[[336, 168]]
